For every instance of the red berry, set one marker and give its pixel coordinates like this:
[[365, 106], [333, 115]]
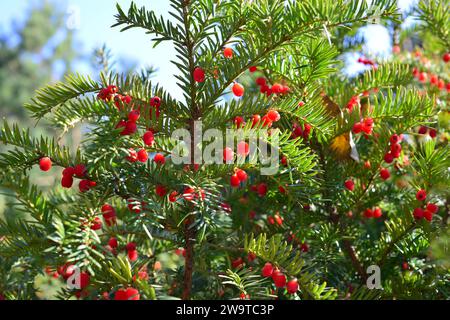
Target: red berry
[[84, 186], [253, 69], [428, 215], [149, 138], [237, 263], [133, 255], [284, 161], [421, 195], [446, 57], [228, 155], [267, 270], [228, 53], [131, 246], [261, 81], [235, 181], [128, 294], [155, 102], [80, 170], [251, 257], [159, 159], [130, 128], [69, 171], [377, 213], [423, 130], [385, 174], [432, 208], [242, 175], [113, 243], [239, 122], [367, 126], [45, 164], [85, 279], [394, 139], [108, 210], [97, 224], [133, 156], [279, 279], [161, 191], [243, 149], [189, 194], [357, 128], [134, 115], [238, 90], [350, 185], [262, 189], [278, 219], [396, 149], [277, 88], [418, 213], [255, 120], [266, 122], [273, 115], [142, 155], [304, 247], [433, 133], [388, 157], [127, 99], [199, 75], [368, 213], [112, 89], [173, 196], [292, 286], [67, 182], [423, 77]]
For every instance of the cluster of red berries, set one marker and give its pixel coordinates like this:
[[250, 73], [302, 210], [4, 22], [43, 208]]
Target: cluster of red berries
[[373, 213], [135, 156], [430, 209], [279, 278], [365, 125], [276, 219], [266, 121], [110, 93], [261, 189], [299, 130], [128, 126], [395, 148], [68, 270], [434, 80], [276, 88], [431, 131], [239, 176], [79, 171], [107, 94]]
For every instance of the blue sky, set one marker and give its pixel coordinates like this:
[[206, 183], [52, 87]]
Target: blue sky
[[96, 17]]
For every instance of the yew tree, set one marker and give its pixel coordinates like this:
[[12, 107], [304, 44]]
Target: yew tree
[[357, 207]]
